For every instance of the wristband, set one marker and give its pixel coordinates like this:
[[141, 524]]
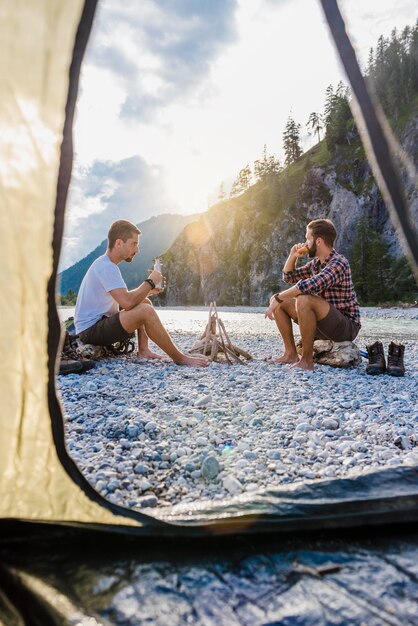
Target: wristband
[[150, 282], [276, 296]]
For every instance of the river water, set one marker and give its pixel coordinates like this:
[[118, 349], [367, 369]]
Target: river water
[[397, 324]]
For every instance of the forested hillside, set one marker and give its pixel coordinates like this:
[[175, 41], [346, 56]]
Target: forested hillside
[[235, 252]]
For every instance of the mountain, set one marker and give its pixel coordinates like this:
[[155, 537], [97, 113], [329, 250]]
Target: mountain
[[234, 253], [158, 233]]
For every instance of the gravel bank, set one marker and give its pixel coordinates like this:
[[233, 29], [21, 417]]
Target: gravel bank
[[153, 434]]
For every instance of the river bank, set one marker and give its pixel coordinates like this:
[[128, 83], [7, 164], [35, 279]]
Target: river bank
[[152, 434]]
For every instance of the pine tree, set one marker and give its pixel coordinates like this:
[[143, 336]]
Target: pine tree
[[370, 65], [242, 182], [393, 70], [315, 122], [329, 102], [221, 192], [291, 141], [377, 276], [339, 123], [69, 299], [266, 166], [413, 60]]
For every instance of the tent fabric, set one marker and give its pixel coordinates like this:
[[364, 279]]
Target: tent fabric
[[38, 40], [312, 578], [43, 44]]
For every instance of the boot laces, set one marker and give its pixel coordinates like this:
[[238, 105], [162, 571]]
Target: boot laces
[[375, 355], [395, 356]]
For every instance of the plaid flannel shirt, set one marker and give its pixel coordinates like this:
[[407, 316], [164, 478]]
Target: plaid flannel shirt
[[331, 280]]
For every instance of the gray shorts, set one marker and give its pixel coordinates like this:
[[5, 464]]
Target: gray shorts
[[336, 326], [106, 331]]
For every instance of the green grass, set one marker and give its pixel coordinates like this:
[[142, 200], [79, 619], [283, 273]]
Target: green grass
[[409, 111], [318, 155]]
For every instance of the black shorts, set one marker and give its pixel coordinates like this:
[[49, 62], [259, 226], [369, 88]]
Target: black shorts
[[106, 331]]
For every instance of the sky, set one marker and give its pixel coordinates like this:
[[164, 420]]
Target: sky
[[176, 96]]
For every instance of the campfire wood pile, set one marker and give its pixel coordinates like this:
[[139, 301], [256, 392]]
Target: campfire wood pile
[[215, 341]]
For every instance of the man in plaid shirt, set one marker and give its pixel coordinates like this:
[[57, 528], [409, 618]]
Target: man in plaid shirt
[[323, 301]]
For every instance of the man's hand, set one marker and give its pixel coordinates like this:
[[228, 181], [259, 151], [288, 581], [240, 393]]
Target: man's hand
[[271, 308], [156, 277], [298, 250], [157, 290]]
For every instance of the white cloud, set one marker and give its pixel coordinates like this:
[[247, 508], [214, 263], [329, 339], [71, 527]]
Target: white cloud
[[106, 191], [193, 90]]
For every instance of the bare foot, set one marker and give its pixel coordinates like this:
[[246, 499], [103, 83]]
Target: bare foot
[[192, 361], [148, 354], [286, 358], [303, 364]]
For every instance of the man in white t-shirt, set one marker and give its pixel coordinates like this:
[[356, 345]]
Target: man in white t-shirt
[[107, 312]]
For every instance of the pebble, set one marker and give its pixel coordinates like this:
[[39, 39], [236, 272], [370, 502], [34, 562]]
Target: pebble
[[144, 485], [203, 401], [250, 455], [141, 469], [210, 468], [232, 485], [249, 408], [304, 427], [147, 501], [160, 435]]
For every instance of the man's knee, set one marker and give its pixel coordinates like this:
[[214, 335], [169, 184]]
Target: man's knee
[[317, 304], [145, 308], [147, 301], [287, 307], [304, 302], [137, 316]]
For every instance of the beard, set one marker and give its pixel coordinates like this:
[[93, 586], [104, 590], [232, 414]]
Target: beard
[[312, 250], [130, 259]]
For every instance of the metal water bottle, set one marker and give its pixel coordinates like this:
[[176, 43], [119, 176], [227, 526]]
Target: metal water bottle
[[158, 266]]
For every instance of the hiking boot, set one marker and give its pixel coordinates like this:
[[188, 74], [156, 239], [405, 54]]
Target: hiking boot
[[396, 366], [376, 358]]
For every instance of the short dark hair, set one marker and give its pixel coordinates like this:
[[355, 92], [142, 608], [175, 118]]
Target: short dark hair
[[121, 229], [324, 229]]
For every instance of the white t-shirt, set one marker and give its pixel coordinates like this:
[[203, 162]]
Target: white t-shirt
[[94, 299]]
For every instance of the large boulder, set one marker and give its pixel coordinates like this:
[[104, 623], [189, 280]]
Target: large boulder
[[334, 353]]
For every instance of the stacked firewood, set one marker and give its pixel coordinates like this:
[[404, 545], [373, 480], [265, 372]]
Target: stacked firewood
[[215, 341]]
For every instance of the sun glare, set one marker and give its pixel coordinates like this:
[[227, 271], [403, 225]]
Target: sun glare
[[28, 143]]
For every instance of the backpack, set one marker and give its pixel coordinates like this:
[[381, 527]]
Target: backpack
[[125, 346]]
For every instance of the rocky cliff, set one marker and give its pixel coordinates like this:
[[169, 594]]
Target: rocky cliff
[[234, 253]]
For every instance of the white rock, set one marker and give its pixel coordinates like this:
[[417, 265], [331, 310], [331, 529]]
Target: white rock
[[249, 408], [203, 401], [330, 424], [303, 427], [232, 485]]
